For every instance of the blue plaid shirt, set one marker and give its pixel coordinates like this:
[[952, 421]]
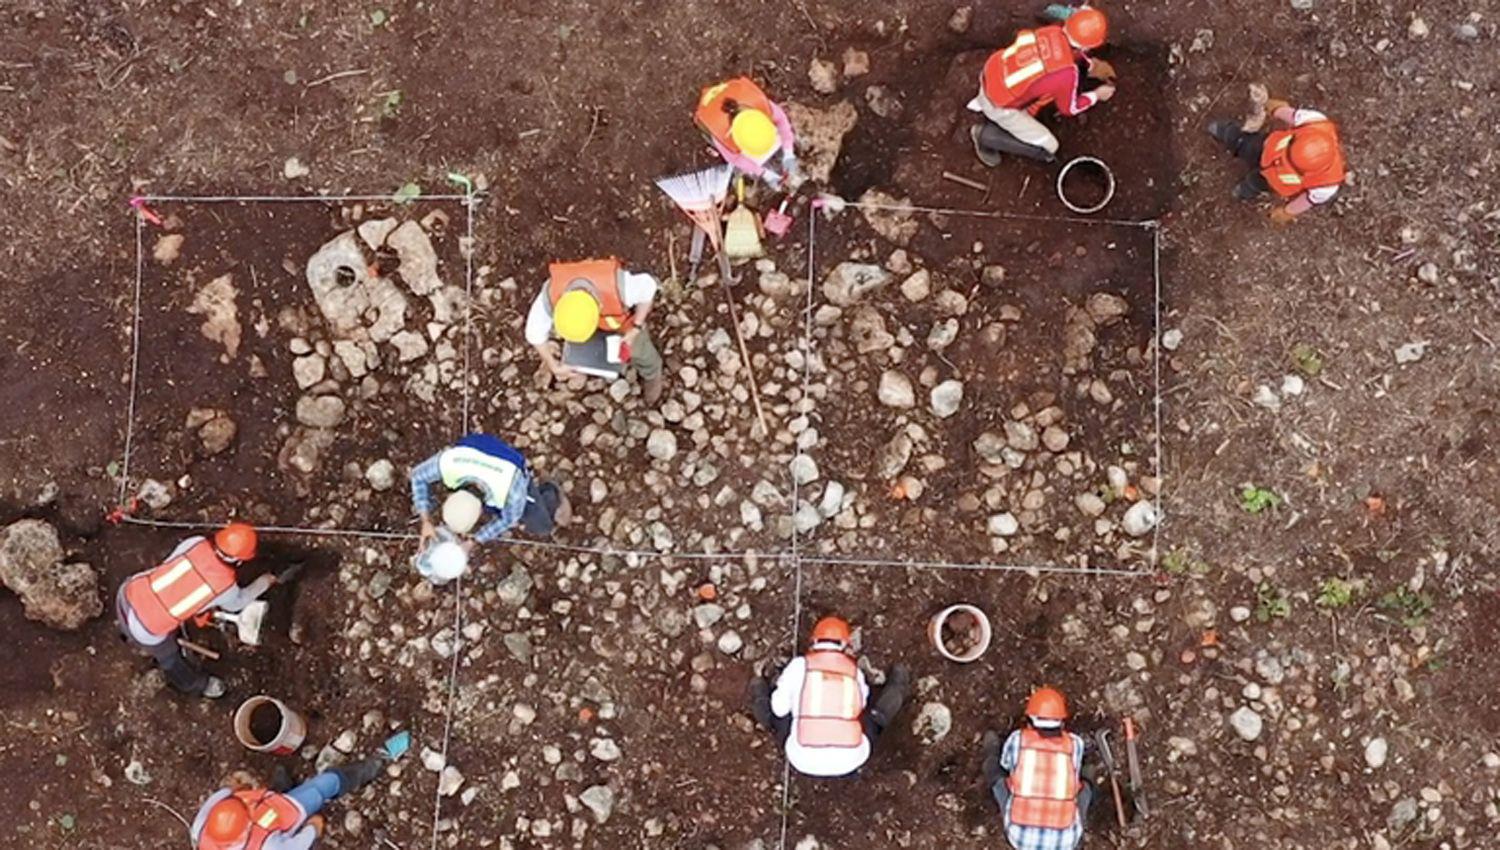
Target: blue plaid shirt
[[427, 473], [1036, 837]]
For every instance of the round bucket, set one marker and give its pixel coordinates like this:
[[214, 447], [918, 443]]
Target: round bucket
[[267, 725], [981, 642], [1089, 205]]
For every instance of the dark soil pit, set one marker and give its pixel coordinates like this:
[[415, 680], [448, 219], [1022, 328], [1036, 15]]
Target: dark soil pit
[[1055, 631], [275, 461], [1047, 326]]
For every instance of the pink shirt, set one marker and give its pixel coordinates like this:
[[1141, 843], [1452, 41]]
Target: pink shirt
[[749, 166]]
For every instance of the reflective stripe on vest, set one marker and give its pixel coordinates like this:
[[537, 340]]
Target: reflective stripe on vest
[[602, 279], [463, 465], [1010, 73], [1044, 785], [1283, 177], [714, 121], [170, 594], [267, 810], [830, 705]]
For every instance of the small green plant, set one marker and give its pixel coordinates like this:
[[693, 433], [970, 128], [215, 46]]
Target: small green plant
[[1254, 500], [1335, 593], [390, 103], [1412, 607], [1179, 562], [1271, 603], [407, 193], [1307, 359], [378, 18]]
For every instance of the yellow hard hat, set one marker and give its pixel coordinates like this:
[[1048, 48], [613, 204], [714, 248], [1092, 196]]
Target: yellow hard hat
[[576, 316], [753, 133]]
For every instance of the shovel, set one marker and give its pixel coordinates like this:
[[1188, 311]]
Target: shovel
[[247, 622]]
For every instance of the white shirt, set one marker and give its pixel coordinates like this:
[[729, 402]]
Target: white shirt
[[815, 761], [1322, 194], [232, 600], [635, 290]]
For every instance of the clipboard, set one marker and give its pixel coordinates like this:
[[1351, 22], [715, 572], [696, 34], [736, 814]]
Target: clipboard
[[603, 356]]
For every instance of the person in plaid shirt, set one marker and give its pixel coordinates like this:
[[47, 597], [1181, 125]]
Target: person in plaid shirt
[[1036, 777]]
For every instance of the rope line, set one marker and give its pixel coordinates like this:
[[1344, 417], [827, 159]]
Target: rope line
[[135, 356], [291, 199], [458, 643], [469, 204], [1145, 224]]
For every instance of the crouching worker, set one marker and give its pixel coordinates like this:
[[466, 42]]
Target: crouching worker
[[1037, 779], [247, 817], [751, 132], [485, 477], [1302, 164], [199, 577], [820, 708]]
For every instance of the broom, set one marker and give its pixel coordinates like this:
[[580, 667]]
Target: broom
[[700, 195]]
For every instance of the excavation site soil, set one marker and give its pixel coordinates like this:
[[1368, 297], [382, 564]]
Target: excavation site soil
[[1232, 480]]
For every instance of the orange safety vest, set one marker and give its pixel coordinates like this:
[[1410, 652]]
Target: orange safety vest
[[270, 813], [169, 595], [711, 117], [1044, 785], [830, 705], [1276, 161], [1010, 73], [601, 279]]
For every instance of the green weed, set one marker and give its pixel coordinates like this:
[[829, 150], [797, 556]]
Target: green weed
[[1254, 500], [1271, 603], [1335, 593], [1411, 607]]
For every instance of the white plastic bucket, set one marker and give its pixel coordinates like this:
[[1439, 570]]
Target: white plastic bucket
[[935, 633], [1109, 186], [290, 732]]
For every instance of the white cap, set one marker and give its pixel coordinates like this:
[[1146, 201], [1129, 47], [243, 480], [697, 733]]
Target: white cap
[[461, 511], [443, 562], [1044, 723]]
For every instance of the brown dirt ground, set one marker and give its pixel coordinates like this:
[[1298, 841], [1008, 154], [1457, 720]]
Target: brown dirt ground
[[568, 110]]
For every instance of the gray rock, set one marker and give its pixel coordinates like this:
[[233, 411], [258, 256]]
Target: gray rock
[[309, 370], [409, 346], [381, 474], [1247, 723], [1106, 308], [320, 411], [867, 330], [155, 494], [943, 334], [990, 447], [883, 102], [1020, 436], [1411, 352], [889, 216], [1140, 518], [1089, 504], [60, 596], [1375, 753], [730, 642], [804, 469], [514, 588], [1402, 814], [946, 397], [1269, 668], [1003, 525], [604, 749], [450, 781], [832, 501], [950, 302], [600, 800], [959, 21], [1055, 438], [518, 644], [1172, 339], [893, 457], [895, 390], [339, 277], [850, 282], [917, 287], [217, 434], [662, 444], [823, 75], [707, 615], [933, 723], [418, 259], [303, 451]]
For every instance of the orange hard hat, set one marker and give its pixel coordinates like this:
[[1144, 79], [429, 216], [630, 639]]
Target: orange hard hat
[[236, 541], [1311, 151], [228, 820], [1087, 28], [1047, 703], [832, 629]]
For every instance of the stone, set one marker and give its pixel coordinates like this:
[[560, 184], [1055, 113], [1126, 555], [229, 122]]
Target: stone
[[707, 615], [1267, 398], [57, 595], [303, 450], [892, 457], [1246, 723], [604, 749], [1020, 436], [347, 295], [409, 346], [1089, 504], [1106, 308], [1239, 613], [777, 285], [381, 474], [1375, 753], [450, 781], [433, 760], [889, 216], [215, 303], [856, 63], [168, 248], [320, 411], [662, 444], [820, 136], [832, 501], [217, 434], [990, 447], [293, 168], [959, 21], [849, 282], [895, 390], [867, 330], [358, 358], [946, 397], [1418, 28], [1140, 518], [992, 276], [917, 287], [730, 642], [1055, 438], [309, 370], [1003, 525], [514, 588], [943, 334], [1270, 669], [1402, 814], [419, 260], [883, 102], [823, 75], [518, 644], [951, 302], [804, 470], [1411, 352], [933, 723], [599, 800], [1171, 339]]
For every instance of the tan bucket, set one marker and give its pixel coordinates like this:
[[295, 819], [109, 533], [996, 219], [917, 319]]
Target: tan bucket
[[935, 633], [290, 731]]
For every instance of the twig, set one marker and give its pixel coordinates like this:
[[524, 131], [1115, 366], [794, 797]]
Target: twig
[[337, 76], [593, 125], [964, 181], [175, 813]]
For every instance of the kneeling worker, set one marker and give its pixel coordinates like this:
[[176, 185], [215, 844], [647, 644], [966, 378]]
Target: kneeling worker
[[819, 707], [1039, 69], [1302, 164], [583, 299], [750, 132], [1037, 777]]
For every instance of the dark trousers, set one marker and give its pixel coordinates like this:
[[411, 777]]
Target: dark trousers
[[994, 139], [1247, 147], [540, 516], [179, 672]]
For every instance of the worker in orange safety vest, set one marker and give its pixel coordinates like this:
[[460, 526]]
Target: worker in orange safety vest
[[1037, 778], [1042, 67], [582, 300], [197, 578], [749, 131], [820, 709], [1301, 164]]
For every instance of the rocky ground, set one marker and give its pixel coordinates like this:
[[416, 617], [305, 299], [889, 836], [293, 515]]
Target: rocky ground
[[1304, 640]]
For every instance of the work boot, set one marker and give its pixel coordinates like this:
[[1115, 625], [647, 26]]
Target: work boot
[[760, 702], [215, 688], [1224, 131], [989, 158], [892, 696], [1246, 190], [356, 775], [651, 391]]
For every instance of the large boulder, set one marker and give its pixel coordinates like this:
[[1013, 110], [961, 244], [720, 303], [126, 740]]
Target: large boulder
[[62, 596], [356, 304], [820, 136]]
